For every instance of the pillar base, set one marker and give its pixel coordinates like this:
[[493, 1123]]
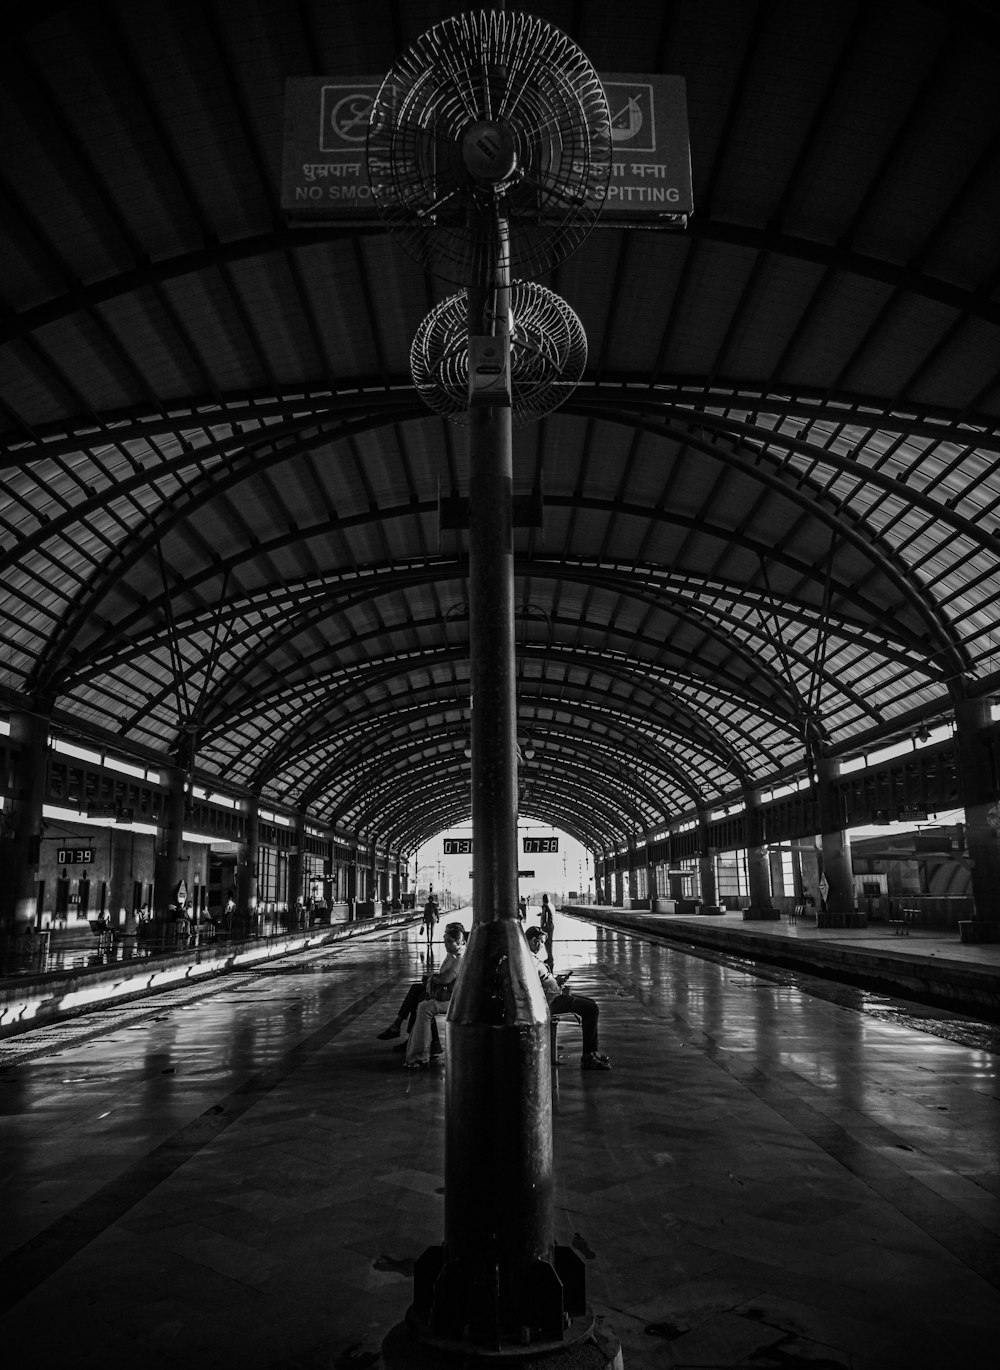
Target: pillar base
[[763, 914], [711, 911], [979, 930], [600, 1349]]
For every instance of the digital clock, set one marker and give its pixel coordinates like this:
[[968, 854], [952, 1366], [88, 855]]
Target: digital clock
[[541, 844], [458, 846], [75, 856]]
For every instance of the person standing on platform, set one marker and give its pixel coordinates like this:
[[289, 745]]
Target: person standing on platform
[[431, 916], [547, 928], [130, 940]]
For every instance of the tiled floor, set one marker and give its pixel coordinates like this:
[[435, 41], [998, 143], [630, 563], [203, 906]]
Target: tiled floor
[[243, 1177]]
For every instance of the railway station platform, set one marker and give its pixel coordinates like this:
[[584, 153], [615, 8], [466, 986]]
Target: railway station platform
[[930, 964], [239, 1172]]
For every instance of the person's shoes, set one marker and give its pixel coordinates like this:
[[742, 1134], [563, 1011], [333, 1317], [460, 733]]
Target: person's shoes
[[594, 1061], [416, 1065], [400, 1046], [437, 1053], [388, 1033]]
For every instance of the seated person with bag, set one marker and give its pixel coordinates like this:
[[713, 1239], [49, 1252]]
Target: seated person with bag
[[414, 997], [437, 992]]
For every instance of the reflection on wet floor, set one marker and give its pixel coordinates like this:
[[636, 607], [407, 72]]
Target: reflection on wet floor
[[778, 1171], [941, 1022]]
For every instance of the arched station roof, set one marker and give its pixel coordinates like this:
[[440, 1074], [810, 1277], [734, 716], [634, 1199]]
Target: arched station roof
[[771, 509]]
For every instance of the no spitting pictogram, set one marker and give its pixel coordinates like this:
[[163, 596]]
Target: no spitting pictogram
[[633, 126]]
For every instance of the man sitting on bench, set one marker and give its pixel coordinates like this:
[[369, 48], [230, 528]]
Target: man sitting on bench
[[586, 1009]]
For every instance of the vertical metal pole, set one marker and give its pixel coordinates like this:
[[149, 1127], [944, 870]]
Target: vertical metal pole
[[491, 615], [498, 1281]]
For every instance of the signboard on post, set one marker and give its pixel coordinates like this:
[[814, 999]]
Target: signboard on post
[[651, 165], [324, 175]]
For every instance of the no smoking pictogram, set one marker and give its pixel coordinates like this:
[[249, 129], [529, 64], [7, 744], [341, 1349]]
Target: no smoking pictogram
[[345, 114]]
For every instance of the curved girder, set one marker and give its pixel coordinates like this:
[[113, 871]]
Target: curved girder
[[401, 815], [313, 700], [312, 402], [410, 510], [810, 405], [312, 727], [791, 486], [559, 758], [372, 784], [340, 597], [321, 604], [447, 807], [117, 564], [212, 485], [660, 706], [371, 413], [768, 438], [775, 688], [287, 238], [253, 462], [577, 732]]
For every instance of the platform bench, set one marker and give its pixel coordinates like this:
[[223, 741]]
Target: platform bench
[[796, 913], [556, 1019], [901, 925]]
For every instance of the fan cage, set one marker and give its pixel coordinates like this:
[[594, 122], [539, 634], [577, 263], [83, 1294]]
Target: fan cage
[[529, 80], [548, 354]]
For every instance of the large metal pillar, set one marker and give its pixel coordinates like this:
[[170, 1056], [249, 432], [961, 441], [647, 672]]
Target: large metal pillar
[[246, 870], [169, 868], [20, 843], [838, 868], [758, 871], [977, 791], [706, 867], [499, 1285]]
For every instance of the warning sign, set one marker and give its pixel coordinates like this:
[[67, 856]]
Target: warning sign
[[651, 165], [324, 167]]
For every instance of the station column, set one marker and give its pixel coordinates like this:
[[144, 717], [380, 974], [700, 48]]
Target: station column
[[296, 865], [20, 848], [977, 791], [168, 869], [838, 870], [758, 870], [630, 894], [706, 867], [246, 870]]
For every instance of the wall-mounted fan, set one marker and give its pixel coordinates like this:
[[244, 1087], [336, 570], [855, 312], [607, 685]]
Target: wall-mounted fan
[[548, 354], [490, 116]]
